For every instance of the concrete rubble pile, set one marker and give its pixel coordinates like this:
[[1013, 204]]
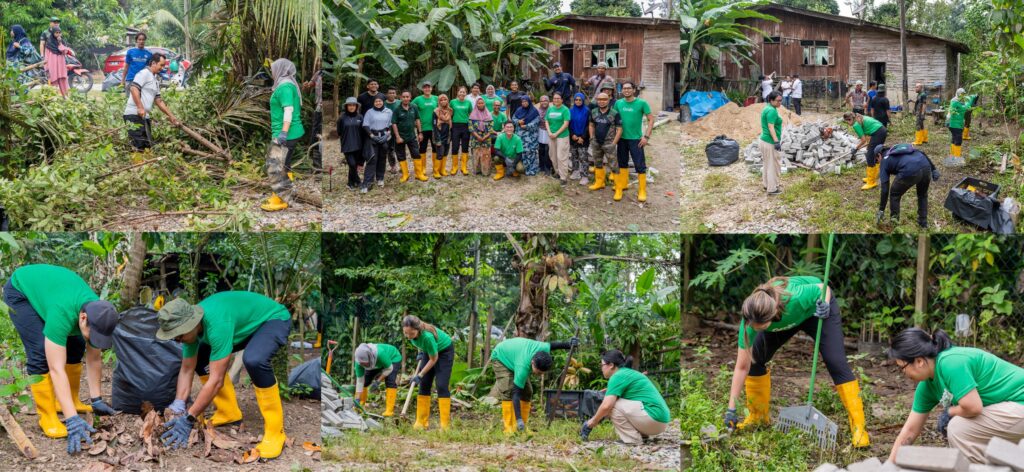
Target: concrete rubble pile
[[801, 149], [1002, 456], [338, 413]]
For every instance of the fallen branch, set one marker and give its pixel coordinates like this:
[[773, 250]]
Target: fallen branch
[[140, 164], [17, 435], [185, 148], [205, 142]]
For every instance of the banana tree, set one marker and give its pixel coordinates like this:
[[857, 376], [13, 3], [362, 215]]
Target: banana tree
[[710, 28], [357, 33], [517, 39]]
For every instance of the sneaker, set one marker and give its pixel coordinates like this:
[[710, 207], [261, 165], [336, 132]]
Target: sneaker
[[380, 183], [584, 181], [575, 175], [777, 192], [364, 190]]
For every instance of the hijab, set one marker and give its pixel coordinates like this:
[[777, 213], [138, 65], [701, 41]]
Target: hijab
[[526, 113], [52, 43], [283, 70], [578, 115], [366, 355], [490, 92], [19, 34], [444, 112], [480, 112]]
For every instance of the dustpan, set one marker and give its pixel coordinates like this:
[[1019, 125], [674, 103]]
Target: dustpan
[[807, 418]]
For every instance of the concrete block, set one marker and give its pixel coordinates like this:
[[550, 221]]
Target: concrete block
[[890, 466], [1003, 452], [936, 459], [867, 465], [989, 468], [327, 431], [826, 467]]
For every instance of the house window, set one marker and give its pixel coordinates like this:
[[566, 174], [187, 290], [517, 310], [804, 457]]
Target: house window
[[772, 39], [818, 53], [608, 54]]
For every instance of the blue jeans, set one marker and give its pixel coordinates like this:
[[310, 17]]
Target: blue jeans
[[30, 326], [785, 101]]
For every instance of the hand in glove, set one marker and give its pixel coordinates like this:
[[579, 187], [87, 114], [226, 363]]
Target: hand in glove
[[78, 431], [415, 379], [935, 175], [943, 422], [821, 309], [731, 418], [574, 341], [101, 408], [778, 146], [177, 433], [520, 426], [585, 431], [177, 407], [281, 138]]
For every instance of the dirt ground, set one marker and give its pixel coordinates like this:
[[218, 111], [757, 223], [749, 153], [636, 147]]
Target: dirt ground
[[301, 425], [476, 203], [731, 199]]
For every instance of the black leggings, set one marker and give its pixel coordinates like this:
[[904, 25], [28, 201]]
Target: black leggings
[[440, 374], [921, 180], [832, 349], [354, 160], [957, 136], [878, 137], [30, 326], [391, 381], [460, 138], [259, 349], [428, 139]]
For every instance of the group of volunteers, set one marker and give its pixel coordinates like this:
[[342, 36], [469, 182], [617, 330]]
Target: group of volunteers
[[907, 166], [60, 320], [481, 130], [631, 401], [55, 49], [981, 395]]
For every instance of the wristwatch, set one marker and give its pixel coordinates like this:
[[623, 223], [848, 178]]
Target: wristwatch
[[191, 419]]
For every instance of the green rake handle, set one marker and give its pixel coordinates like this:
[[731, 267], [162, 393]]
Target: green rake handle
[[817, 337]]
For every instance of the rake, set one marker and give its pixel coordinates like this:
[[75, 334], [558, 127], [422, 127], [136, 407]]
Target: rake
[[807, 418]]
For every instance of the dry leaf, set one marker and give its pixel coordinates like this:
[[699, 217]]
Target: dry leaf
[[310, 446], [249, 456], [222, 442], [289, 442], [98, 448], [220, 455], [97, 467], [146, 408]]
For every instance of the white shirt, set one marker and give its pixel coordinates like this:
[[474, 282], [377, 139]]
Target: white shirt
[[787, 88], [149, 87], [766, 88], [472, 98], [798, 89]]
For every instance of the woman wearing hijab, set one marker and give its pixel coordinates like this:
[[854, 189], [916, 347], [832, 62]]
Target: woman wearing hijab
[[56, 65], [377, 123], [543, 140], [286, 127], [375, 362], [21, 50], [491, 99], [442, 134], [480, 140], [527, 120], [579, 138], [350, 130]]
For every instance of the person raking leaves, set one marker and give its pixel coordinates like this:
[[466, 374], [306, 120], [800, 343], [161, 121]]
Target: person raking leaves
[[513, 360]]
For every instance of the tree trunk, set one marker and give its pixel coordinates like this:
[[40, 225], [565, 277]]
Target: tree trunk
[[921, 284], [813, 242], [689, 322], [17, 434], [133, 271], [487, 336], [903, 52], [635, 352], [472, 307], [531, 317]]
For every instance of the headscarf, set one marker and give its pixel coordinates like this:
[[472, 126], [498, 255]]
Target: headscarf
[[445, 110], [52, 43], [578, 115], [366, 355], [526, 113], [480, 112], [490, 91], [19, 34], [283, 70]]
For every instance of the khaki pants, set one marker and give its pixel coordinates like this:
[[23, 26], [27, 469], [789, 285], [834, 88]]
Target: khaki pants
[[503, 383], [559, 153], [771, 175], [971, 435], [632, 423]]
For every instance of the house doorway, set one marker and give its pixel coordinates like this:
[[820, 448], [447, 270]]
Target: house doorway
[[671, 86], [566, 59], [876, 72]]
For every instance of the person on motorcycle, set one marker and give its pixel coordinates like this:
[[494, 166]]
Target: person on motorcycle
[[21, 50], [56, 65], [135, 59], [145, 92]]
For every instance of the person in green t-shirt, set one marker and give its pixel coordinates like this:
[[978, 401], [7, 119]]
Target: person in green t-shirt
[[972, 101], [491, 99], [461, 108], [772, 314], [958, 107], [406, 126], [981, 395], [557, 119], [632, 112], [391, 103], [426, 104], [60, 320], [871, 133], [920, 110], [286, 127], [513, 360], [433, 366], [508, 149], [770, 144], [372, 363], [635, 406], [210, 331]]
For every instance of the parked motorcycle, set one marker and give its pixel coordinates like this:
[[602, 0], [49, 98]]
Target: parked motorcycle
[[79, 78]]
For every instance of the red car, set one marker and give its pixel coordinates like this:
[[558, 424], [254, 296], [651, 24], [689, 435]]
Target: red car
[[115, 61]]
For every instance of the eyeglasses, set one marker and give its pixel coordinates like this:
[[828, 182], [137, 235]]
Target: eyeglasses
[[900, 369]]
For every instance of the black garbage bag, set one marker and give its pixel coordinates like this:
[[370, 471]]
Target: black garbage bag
[[722, 151], [307, 373], [973, 200], [1002, 222], [147, 368], [591, 402]]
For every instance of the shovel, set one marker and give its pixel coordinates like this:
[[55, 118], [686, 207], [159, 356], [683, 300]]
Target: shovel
[[332, 345], [408, 397], [807, 418]]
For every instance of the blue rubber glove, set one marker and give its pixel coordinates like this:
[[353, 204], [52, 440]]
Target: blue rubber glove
[[177, 432], [177, 407], [78, 431], [821, 309], [778, 146], [520, 425], [281, 138], [943, 422], [731, 418], [101, 408], [585, 431], [415, 379], [574, 341]]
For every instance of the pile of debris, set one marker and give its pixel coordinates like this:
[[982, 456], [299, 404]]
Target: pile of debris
[[337, 412], [743, 123], [806, 146], [1002, 456]]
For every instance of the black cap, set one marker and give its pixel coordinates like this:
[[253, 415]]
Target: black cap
[[102, 318]]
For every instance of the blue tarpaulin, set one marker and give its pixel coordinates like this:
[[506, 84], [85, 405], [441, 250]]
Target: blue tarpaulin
[[702, 103]]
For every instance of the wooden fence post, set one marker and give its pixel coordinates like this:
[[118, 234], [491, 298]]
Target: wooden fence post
[[921, 285], [487, 336]]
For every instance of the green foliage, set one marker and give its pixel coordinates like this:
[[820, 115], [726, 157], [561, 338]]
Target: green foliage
[[710, 29], [824, 6], [605, 8]]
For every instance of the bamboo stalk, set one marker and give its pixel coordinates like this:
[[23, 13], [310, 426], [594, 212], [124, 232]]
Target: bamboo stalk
[[17, 434]]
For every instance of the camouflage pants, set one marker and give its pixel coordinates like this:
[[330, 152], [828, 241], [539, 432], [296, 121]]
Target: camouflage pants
[[579, 158], [605, 155], [279, 182]]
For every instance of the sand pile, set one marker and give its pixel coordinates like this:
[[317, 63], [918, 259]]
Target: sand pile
[[739, 123]]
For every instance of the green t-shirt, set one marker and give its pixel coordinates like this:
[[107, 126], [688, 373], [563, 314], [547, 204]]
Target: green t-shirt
[[629, 384], [427, 343], [770, 117], [517, 355], [870, 126], [461, 109], [509, 147], [386, 355], [230, 318], [632, 115], [489, 102], [392, 105], [801, 296], [406, 122], [286, 95], [956, 113], [426, 107], [922, 102], [958, 370], [557, 116], [57, 294], [499, 121]]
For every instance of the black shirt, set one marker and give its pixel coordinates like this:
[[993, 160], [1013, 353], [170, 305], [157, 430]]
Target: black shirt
[[604, 123], [350, 130], [366, 100], [878, 108]]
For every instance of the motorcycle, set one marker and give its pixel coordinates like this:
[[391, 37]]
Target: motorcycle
[[79, 78]]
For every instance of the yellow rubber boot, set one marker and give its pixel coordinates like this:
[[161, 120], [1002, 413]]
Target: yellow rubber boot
[[524, 409], [319, 341], [390, 395], [465, 161], [872, 177], [225, 404], [455, 165], [508, 417], [641, 195], [444, 166], [849, 394], [46, 408], [499, 171], [269, 401], [274, 203], [620, 184], [444, 412], [405, 171], [421, 170], [437, 168], [759, 394], [422, 412], [291, 176], [918, 137], [363, 396], [967, 134], [74, 372], [598, 179], [925, 136], [958, 150]]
